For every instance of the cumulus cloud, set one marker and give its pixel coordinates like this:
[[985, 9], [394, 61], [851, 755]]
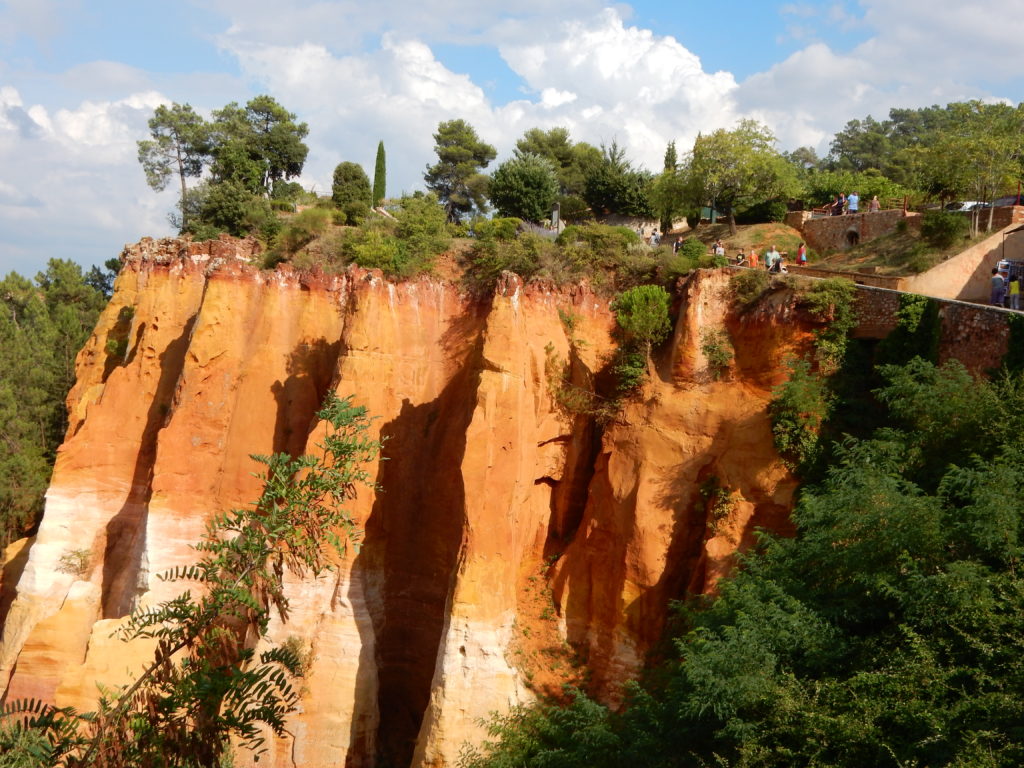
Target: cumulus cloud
[[598, 77], [71, 186], [915, 57]]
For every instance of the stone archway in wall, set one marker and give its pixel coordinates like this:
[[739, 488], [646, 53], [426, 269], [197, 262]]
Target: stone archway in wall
[[852, 238]]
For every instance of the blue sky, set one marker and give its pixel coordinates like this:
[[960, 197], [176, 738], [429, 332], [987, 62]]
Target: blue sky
[[79, 79]]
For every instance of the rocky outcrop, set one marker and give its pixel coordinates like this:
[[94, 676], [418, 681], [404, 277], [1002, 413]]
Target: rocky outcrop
[[512, 541]]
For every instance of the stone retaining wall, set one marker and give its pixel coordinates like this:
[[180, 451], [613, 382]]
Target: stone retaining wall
[[975, 334]]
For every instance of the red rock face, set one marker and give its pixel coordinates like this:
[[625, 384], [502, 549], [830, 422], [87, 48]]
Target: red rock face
[[509, 538]]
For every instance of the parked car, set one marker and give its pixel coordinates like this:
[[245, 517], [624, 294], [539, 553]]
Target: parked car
[[967, 205]]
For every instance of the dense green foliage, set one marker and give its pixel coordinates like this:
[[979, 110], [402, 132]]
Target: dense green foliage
[[730, 169], [525, 187], [798, 409], [887, 632], [249, 151], [380, 175], [614, 186], [572, 161], [402, 247], [206, 682], [832, 302], [350, 185], [43, 325], [942, 229], [642, 315], [456, 177]]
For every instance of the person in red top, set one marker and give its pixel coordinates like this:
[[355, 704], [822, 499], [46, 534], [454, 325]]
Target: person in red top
[[801, 255], [753, 258]]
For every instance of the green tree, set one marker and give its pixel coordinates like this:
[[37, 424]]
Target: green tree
[[614, 186], [180, 144], [739, 167], [457, 177], [524, 186], [379, 176], [668, 191], [979, 154], [351, 185], [572, 161], [43, 325], [257, 145]]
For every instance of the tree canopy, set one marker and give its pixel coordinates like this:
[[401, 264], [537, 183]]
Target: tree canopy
[[741, 166], [524, 186], [257, 144], [379, 175], [179, 143], [351, 185], [43, 325], [456, 177], [614, 186]]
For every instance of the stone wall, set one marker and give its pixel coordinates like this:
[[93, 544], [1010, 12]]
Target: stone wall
[[975, 334], [1001, 217], [839, 233]]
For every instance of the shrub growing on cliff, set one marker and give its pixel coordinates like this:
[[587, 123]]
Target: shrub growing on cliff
[[642, 314], [832, 302], [400, 248], [748, 286], [643, 319], [798, 409], [206, 683]]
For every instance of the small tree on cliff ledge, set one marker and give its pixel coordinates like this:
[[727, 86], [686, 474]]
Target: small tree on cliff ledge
[[206, 683], [643, 318]]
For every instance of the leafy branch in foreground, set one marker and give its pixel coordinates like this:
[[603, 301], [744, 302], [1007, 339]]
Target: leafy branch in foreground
[[206, 683]]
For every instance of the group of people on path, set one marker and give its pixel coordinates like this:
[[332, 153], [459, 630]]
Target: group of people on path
[[843, 204], [1003, 290], [774, 260]]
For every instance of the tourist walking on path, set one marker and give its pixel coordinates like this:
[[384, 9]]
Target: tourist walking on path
[[875, 206], [1015, 292], [801, 255], [998, 288], [837, 206], [853, 202], [753, 258]]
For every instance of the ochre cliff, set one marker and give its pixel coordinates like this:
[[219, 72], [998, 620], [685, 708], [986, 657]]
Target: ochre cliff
[[510, 540]]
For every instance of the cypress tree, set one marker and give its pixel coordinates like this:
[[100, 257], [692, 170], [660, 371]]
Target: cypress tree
[[379, 175]]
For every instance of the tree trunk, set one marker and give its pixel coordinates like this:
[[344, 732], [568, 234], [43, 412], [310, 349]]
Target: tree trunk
[[181, 175], [732, 221]]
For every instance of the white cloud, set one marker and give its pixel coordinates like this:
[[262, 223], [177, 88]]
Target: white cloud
[[71, 185]]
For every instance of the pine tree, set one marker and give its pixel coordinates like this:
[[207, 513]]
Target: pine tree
[[379, 176]]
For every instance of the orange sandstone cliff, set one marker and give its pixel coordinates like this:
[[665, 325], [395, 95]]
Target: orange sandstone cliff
[[512, 544]]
